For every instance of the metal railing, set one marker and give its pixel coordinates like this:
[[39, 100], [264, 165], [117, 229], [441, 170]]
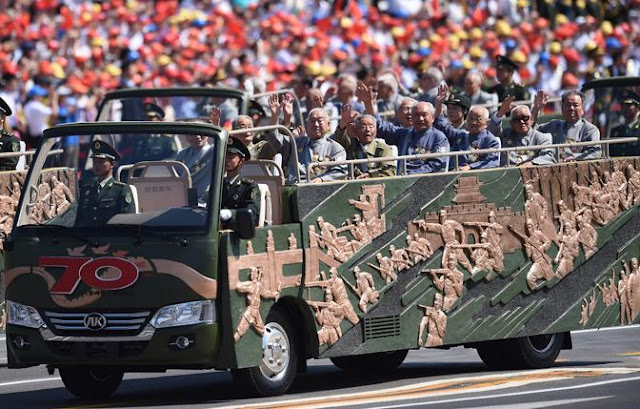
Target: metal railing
[[456, 154], [28, 154], [292, 140]]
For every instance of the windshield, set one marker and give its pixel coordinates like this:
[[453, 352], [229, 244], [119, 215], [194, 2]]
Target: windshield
[[169, 108], [155, 193]]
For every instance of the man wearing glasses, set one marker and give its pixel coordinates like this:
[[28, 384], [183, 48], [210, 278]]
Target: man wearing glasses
[[521, 133]]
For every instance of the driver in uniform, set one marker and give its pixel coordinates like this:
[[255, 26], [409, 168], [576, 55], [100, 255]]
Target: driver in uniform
[[8, 142], [105, 197], [238, 192]]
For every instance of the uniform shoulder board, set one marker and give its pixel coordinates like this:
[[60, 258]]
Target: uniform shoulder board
[[247, 181], [116, 183]]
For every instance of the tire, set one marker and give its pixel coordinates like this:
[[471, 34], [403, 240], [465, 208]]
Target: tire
[[380, 361], [539, 351], [280, 356], [91, 382]]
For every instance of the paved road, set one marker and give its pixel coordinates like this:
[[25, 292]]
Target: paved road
[[603, 370]]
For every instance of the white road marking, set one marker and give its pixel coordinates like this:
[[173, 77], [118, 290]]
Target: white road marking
[[413, 390], [541, 405], [26, 381], [582, 331], [508, 395]]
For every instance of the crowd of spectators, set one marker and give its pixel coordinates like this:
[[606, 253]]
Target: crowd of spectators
[[72, 51]]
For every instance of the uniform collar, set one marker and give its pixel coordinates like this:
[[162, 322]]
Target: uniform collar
[[234, 180], [105, 182]]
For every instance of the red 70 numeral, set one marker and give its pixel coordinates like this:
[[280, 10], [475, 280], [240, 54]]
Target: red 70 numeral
[[86, 269]]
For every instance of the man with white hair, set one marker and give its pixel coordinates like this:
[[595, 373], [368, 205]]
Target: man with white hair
[[521, 133], [420, 138], [429, 81], [403, 112], [316, 146], [476, 136], [388, 97], [473, 89]]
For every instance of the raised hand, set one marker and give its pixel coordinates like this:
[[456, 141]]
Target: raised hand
[[274, 107], [287, 105], [345, 118], [443, 92], [363, 92], [506, 106], [540, 99], [214, 116]]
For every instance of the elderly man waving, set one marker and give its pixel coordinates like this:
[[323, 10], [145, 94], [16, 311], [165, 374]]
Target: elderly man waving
[[521, 133], [316, 147]]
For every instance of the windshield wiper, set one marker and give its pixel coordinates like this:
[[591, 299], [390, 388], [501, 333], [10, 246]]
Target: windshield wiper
[[68, 232], [180, 241]]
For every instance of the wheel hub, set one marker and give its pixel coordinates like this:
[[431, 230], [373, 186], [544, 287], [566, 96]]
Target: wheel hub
[[275, 352], [541, 343]]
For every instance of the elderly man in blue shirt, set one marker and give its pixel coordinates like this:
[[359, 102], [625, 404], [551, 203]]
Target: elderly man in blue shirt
[[420, 138], [475, 137]]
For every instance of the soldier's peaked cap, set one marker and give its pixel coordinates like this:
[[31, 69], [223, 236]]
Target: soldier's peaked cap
[[101, 149], [632, 99], [4, 108], [460, 100], [152, 110], [235, 145], [505, 61]]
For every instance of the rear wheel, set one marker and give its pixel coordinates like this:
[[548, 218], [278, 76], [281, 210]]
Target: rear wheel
[[539, 351], [91, 382], [280, 356], [380, 361]]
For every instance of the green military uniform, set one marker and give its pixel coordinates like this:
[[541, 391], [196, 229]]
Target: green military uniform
[[99, 204], [517, 91], [376, 149], [100, 201], [8, 143], [239, 192], [626, 131]]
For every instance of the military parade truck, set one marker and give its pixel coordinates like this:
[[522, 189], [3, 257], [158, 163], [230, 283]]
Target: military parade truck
[[506, 260]]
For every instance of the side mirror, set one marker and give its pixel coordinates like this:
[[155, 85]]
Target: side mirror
[[243, 224]]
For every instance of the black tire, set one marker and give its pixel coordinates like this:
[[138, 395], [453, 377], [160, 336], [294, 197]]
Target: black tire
[[539, 351], [91, 382], [280, 356], [378, 362]]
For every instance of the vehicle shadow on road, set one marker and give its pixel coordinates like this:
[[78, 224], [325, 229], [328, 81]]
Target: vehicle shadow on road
[[217, 388]]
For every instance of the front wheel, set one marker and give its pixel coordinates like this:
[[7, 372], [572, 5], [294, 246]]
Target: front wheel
[[280, 355], [91, 383], [539, 351]]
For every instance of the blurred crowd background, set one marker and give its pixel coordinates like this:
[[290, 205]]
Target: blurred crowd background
[[59, 57]]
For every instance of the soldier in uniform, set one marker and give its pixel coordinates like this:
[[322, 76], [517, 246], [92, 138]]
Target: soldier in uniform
[[8, 142], [505, 68], [631, 127], [105, 197], [238, 192], [457, 108]]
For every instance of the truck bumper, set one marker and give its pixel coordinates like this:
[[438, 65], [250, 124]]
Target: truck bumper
[[153, 349]]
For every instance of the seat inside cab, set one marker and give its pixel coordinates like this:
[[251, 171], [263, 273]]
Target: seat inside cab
[[158, 184]]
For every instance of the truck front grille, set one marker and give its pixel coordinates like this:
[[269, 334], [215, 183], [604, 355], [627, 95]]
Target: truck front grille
[[117, 323]]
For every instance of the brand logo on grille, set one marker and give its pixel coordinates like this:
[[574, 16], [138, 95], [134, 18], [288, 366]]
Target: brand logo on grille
[[95, 321]]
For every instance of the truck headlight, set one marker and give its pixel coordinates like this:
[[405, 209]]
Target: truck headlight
[[23, 315], [189, 313]]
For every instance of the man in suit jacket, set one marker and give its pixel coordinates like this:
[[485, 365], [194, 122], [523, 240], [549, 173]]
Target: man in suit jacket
[[421, 138], [473, 90], [105, 197], [572, 128], [521, 133], [475, 137], [364, 146], [316, 147]]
